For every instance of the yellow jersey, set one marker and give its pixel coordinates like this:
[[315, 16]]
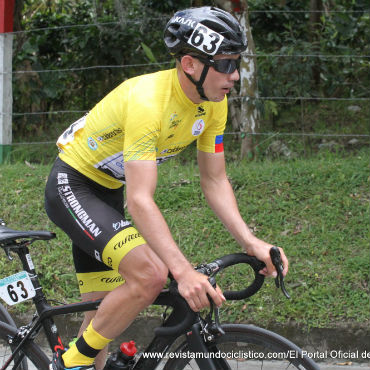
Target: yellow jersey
[[148, 117]]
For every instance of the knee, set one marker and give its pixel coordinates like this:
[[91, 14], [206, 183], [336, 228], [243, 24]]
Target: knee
[[148, 280], [153, 278]]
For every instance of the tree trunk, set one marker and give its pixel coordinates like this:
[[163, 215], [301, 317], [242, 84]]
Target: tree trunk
[[248, 89], [316, 6], [244, 110]]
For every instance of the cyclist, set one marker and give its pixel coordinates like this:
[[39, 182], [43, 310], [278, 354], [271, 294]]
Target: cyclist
[[143, 122]]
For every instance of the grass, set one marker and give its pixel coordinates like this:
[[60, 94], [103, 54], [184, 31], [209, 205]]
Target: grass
[[317, 209]]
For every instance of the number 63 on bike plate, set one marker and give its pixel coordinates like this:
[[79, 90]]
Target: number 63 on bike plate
[[16, 288]]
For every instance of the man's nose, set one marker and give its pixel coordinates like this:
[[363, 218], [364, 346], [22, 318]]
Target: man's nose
[[235, 75]]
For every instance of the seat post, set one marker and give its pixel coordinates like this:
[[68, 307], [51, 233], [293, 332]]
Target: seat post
[[27, 263]]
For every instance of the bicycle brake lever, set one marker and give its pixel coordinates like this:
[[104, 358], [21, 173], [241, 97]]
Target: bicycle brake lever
[[217, 321], [213, 326], [276, 261], [216, 329], [212, 281]]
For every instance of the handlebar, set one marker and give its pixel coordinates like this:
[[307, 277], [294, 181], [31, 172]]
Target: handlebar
[[173, 298], [234, 259]]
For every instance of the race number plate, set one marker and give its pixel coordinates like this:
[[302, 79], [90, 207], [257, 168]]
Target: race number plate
[[16, 288], [206, 40]]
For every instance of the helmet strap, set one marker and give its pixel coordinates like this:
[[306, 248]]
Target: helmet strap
[[199, 84]]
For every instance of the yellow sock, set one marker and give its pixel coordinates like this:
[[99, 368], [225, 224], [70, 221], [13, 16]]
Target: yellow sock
[[86, 348]]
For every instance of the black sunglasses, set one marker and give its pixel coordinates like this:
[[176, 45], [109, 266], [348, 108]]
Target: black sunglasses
[[222, 65]]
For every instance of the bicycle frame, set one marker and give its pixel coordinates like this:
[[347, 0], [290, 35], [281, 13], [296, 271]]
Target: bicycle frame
[[159, 344]]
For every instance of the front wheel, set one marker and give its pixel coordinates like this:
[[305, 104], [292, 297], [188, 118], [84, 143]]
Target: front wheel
[[244, 347], [34, 357]]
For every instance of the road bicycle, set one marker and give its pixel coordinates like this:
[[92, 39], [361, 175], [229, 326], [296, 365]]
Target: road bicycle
[[185, 340]]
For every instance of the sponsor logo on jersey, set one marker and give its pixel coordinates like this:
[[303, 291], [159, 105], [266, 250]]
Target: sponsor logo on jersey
[[198, 127], [200, 111], [176, 149], [93, 145], [174, 122], [113, 166], [110, 134]]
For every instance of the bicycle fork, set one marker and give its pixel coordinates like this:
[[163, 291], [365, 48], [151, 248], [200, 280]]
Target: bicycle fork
[[204, 352]]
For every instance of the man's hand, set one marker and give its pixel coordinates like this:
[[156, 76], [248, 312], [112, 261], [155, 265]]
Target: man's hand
[[194, 287], [261, 251]]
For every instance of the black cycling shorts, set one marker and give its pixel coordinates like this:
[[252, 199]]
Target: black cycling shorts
[[93, 218]]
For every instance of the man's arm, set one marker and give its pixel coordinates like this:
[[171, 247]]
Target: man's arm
[[220, 196], [141, 181]]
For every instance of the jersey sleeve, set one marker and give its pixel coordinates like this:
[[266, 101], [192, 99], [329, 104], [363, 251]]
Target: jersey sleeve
[[211, 141]]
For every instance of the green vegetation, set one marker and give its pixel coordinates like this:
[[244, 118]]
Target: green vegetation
[[64, 37], [317, 209], [315, 205]]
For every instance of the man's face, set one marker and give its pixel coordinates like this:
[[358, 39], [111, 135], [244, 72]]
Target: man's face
[[218, 84]]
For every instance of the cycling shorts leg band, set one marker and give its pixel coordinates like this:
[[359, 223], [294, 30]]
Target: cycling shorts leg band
[[99, 281], [121, 243], [116, 249]]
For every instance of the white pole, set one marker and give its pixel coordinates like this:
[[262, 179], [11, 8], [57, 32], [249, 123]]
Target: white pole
[[6, 96]]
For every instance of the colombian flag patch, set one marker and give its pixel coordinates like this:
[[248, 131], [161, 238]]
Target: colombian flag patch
[[219, 143]]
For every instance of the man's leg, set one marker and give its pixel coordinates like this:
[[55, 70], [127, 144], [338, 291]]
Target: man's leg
[[89, 315], [145, 275]]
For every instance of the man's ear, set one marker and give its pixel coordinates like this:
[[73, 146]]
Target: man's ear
[[187, 64]]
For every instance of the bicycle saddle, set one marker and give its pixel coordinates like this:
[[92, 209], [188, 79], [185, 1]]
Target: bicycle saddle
[[9, 235]]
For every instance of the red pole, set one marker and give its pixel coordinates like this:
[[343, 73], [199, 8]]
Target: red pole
[[237, 7], [6, 42], [6, 15]]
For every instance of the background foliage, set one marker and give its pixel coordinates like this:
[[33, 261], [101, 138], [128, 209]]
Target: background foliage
[[68, 35]]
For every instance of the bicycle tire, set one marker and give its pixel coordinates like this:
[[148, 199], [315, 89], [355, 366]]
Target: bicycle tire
[[35, 357], [246, 347]]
